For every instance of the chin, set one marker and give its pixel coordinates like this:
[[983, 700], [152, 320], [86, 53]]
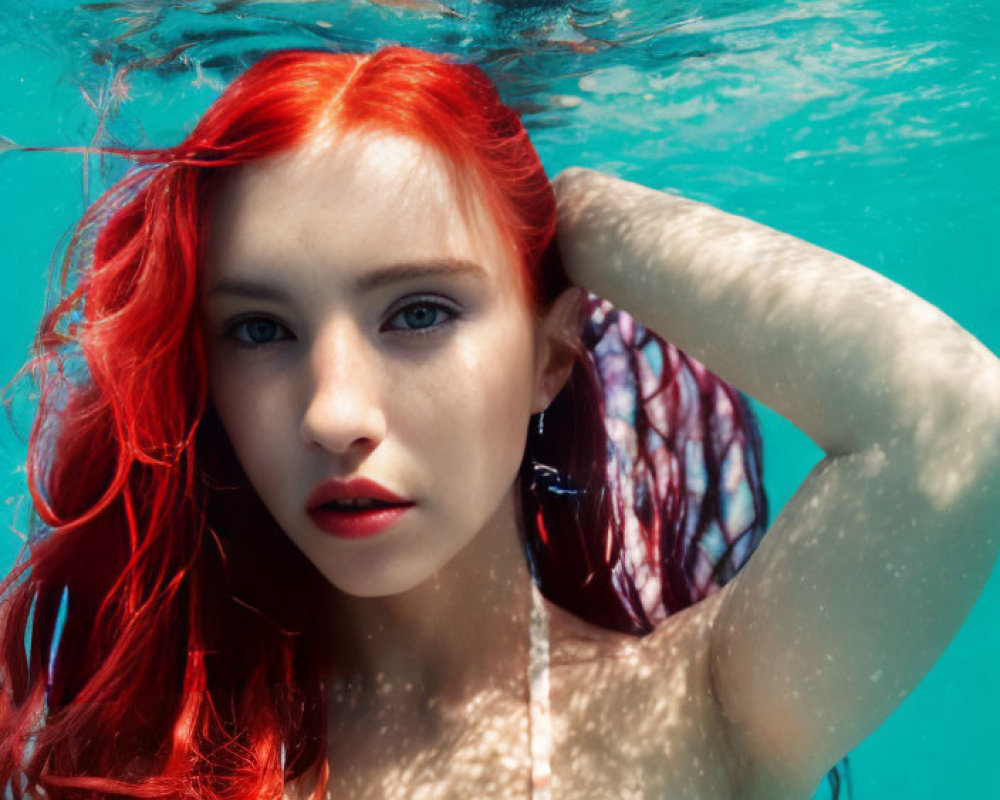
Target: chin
[[378, 583]]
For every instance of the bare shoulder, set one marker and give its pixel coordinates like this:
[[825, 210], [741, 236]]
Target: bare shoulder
[[646, 708], [640, 711], [687, 640]]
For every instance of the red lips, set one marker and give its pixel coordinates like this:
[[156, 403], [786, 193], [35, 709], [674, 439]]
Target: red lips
[[349, 489]]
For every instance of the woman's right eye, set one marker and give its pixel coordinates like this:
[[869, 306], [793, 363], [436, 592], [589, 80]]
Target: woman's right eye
[[254, 332]]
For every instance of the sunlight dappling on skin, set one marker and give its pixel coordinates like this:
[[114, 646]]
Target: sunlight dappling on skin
[[360, 252], [396, 732], [602, 685], [767, 281], [889, 386]]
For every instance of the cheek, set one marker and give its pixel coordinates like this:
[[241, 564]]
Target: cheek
[[482, 405], [250, 418]]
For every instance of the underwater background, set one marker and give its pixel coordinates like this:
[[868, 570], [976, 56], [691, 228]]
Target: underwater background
[[869, 127]]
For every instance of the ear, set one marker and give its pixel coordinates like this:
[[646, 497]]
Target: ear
[[558, 345]]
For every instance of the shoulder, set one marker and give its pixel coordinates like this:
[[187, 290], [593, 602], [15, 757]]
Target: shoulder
[[643, 708], [668, 707]]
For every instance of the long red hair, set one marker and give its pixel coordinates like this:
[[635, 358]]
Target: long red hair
[[190, 661]]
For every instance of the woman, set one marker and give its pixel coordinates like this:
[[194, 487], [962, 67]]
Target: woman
[[328, 295]]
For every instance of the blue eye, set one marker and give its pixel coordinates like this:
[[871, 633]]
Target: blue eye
[[254, 332], [420, 315], [258, 329]]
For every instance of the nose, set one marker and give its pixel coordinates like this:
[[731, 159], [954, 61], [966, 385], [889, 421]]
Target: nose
[[343, 411]]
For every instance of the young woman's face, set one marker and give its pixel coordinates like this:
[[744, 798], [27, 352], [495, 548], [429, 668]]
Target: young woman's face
[[325, 363]]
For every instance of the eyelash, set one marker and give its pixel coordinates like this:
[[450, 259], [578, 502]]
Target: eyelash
[[229, 332]]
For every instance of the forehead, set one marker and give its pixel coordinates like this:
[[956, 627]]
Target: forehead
[[356, 200]]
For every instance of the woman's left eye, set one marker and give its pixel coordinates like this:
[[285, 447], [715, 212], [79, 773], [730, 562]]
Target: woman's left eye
[[420, 316]]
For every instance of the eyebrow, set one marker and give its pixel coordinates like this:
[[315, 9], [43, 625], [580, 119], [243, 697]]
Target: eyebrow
[[395, 273]]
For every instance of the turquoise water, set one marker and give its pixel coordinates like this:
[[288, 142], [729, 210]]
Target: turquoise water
[[869, 128]]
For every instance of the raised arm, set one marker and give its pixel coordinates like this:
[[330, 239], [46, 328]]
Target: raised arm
[[868, 572]]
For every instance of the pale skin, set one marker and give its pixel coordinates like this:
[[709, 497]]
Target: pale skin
[[753, 693]]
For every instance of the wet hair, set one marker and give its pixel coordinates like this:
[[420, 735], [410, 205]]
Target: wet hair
[[175, 645]]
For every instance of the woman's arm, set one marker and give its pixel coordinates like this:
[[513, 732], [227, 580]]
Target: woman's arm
[[870, 569]]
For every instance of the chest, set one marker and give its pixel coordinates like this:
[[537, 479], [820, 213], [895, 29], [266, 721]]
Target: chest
[[622, 730]]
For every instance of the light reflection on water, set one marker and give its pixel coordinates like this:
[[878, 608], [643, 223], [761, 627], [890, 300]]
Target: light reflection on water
[[832, 78]]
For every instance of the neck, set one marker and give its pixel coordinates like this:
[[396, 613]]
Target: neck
[[461, 635]]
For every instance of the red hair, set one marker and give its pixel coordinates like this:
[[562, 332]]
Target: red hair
[[189, 664]]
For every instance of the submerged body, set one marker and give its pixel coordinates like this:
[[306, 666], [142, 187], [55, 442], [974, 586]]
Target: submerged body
[[745, 694], [360, 304], [419, 708]]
